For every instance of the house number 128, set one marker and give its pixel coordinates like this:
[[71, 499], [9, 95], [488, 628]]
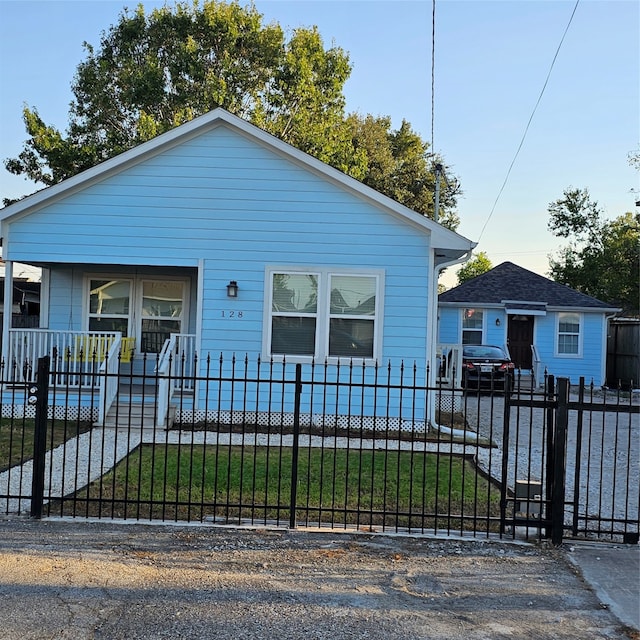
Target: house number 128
[[231, 314]]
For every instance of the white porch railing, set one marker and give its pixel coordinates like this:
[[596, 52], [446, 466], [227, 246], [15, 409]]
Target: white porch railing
[[166, 385], [175, 370], [537, 368], [449, 363], [185, 356], [79, 359], [109, 381], [80, 354], [92, 360]]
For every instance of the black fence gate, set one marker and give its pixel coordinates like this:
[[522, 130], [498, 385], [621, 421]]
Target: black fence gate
[[576, 461], [265, 443]]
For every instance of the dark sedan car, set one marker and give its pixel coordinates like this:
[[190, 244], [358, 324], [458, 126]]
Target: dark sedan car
[[485, 367]]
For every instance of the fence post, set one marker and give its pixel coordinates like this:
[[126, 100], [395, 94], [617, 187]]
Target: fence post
[[578, 458], [296, 441], [38, 395], [506, 420], [559, 462], [548, 445]]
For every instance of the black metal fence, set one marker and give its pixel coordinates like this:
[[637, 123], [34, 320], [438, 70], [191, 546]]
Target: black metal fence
[[370, 448], [572, 455]]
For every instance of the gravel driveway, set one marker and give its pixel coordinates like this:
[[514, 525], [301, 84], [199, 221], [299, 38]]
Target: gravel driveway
[[609, 460]]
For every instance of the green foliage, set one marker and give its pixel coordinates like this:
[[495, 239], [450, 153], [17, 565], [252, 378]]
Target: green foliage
[[397, 163], [603, 257], [475, 267], [152, 72]]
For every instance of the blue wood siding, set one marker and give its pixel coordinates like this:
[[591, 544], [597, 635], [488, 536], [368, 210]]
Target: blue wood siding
[[492, 333], [590, 362], [65, 299], [449, 331], [238, 206]]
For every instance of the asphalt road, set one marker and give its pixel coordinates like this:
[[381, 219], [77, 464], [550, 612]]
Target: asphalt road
[[83, 580]]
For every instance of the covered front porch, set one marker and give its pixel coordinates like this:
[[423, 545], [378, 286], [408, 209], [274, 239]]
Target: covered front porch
[[110, 331], [101, 370], [104, 371]]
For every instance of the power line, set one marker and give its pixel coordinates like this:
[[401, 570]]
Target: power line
[[526, 130]]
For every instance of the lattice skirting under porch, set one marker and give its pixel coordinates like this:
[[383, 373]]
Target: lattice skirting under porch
[[286, 420], [57, 412], [259, 418]]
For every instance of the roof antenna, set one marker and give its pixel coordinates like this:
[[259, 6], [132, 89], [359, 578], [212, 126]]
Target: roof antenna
[[436, 194]]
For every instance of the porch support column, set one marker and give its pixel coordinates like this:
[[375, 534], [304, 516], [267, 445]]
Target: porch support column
[[8, 310], [199, 320]]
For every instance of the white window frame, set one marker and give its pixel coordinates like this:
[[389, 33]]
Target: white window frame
[[134, 318], [87, 315], [580, 334], [481, 330], [138, 297], [323, 315]]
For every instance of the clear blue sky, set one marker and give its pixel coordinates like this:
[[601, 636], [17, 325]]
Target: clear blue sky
[[491, 62]]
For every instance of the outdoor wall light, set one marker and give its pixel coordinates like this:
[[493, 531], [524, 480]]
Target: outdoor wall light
[[497, 322], [232, 289]]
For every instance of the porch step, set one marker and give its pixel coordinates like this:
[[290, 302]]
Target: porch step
[[523, 382], [136, 415]]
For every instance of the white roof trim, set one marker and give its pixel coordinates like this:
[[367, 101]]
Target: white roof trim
[[513, 311], [441, 237], [498, 305], [584, 309]]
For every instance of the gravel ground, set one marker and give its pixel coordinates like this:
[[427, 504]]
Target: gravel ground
[[79, 580], [610, 452]]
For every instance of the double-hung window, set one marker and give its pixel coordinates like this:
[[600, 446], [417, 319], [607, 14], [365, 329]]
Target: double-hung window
[[320, 313], [472, 325], [569, 334], [109, 305]]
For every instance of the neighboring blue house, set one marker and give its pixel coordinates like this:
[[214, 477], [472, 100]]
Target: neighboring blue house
[[223, 239], [545, 325]]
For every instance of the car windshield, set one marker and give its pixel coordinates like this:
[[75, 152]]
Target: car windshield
[[484, 351]]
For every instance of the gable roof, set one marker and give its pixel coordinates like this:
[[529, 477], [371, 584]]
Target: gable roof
[[448, 244], [509, 283]]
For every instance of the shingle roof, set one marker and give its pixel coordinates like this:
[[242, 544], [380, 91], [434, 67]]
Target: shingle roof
[[510, 282]]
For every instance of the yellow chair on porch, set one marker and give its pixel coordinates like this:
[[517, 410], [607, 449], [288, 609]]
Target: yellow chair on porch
[[89, 348]]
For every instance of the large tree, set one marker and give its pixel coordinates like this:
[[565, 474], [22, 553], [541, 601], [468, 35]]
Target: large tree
[[478, 265], [603, 256], [398, 164], [152, 72]]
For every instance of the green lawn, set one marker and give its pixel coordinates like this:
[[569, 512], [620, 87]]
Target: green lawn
[[340, 486]]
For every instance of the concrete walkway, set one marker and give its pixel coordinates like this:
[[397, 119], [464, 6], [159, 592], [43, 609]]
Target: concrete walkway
[[69, 467], [613, 573]]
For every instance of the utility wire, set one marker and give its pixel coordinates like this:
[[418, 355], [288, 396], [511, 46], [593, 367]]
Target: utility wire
[[526, 130], [433, 69]]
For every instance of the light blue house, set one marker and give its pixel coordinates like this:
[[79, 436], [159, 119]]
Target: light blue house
[[217, 237], [545, 325]]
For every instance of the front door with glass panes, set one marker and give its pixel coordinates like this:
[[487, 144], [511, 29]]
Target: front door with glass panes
[[146, 309]]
